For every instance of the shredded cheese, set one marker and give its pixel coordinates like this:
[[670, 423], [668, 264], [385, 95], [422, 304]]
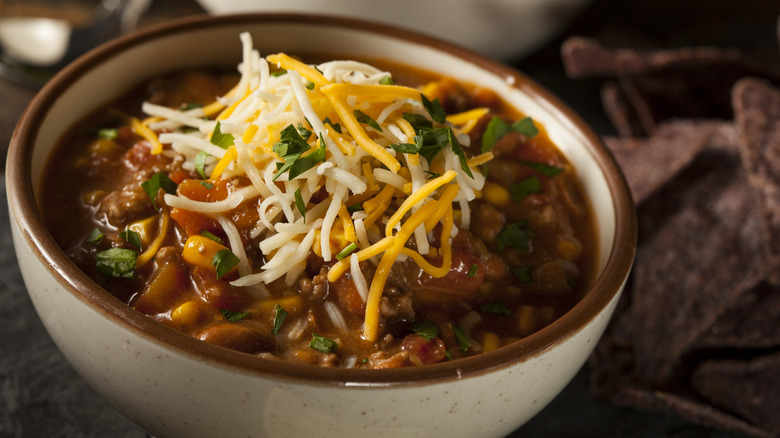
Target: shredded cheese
[[301, 194]]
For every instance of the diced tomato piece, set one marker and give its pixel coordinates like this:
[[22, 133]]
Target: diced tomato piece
[[349, 297], [194, 223], [211, 192]]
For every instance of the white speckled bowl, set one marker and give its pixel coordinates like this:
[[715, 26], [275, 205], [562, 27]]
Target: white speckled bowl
[[177, 386]]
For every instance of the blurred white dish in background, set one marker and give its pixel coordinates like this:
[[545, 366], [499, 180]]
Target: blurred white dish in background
[[502, 29]]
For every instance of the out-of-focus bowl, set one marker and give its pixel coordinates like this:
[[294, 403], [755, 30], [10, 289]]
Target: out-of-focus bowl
[[502, 29], [175, 385]]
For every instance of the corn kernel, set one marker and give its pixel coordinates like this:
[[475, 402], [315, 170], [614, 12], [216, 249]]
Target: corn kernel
[[568, 247], [145, 229], [490, 342], [186, 315], [527, 319], [291, 304], [495, 194]]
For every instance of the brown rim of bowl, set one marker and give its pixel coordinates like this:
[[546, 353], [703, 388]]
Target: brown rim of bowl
[[21, 196]]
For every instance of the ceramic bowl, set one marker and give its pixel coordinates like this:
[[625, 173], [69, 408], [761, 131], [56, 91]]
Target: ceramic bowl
[[503, 29], [177, 386]]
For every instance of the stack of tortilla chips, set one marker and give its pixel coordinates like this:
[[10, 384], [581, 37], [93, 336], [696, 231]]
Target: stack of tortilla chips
[[698, 137]]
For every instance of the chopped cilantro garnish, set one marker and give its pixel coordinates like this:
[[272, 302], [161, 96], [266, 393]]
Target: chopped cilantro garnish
[[432, 174], [303, 131], [387, 80], [545, 169], [458, 150], [497, 308], [521, 189], [279, 316], [200, 163], [307, 162], [116, 262], [131, 237], [434, 109], [497, 128], [291, 147], [367, 120], [515, 235], [418, 121], [472, 271], [427, 329], [189, 106], [224, 260], [354, 207], [463, 341], [406, 148], [233, 316], [207, 185], [322, 343], [108, 133], [222, 140], [522, 272], [300, 204], [309, 85], [279, 72], [158, 181], [208, 234], [336, 127], [447, 354], [346, 251], [94, 236]]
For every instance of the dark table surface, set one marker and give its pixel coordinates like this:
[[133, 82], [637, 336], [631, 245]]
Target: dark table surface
[[41, 395]]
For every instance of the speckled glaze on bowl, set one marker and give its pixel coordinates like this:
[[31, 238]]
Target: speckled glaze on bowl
[[177, 386]]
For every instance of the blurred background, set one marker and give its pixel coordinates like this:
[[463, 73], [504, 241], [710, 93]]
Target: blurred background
[[40, 394]]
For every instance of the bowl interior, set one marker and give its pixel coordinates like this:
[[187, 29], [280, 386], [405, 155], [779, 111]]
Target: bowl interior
[[113, 69]]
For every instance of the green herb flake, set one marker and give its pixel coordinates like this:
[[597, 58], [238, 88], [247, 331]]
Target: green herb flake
[[515, 235], [427, 329], [521, 189], [209, 235], [291, 147], [346, 251], [207, 185], [386, 80], [447, 354], [279, 316], [545, 169], [336, 127], [300, 204], [406, 148], [222, 140], [355, 207], [472, 271], [233, 316], [279, 72], [116, 263], [309, 161], [224, 260], [522, 272], [94, 236], [322, 343], [131, 237], [497, 308], [190, 106], [108, 133], [463, 341], [367, 120], [309, 85], [200, 163], [304, 132], [458, 150], [497, 128], [153, 185], [434, 108]]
